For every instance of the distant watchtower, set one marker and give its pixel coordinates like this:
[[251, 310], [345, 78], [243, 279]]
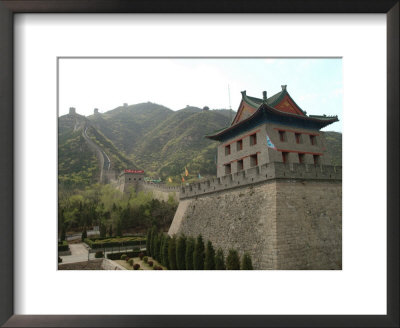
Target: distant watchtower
[[267, 130], [96, 111], [72, 110], [130, 178]]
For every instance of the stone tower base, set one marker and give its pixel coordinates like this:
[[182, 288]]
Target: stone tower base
[[283, 224]]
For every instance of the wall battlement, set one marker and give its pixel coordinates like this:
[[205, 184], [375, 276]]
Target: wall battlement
[[262, 173]]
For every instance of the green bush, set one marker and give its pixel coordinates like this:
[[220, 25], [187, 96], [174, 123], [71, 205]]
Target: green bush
[[198, 254], [209, 262], [117, 256], [180, 253], [141, 255], [219, 260], [98, 255], [130, 262], [63, 246], [190, 242], [145, 259], [232, 260], [123, 256], [246, 262], [114, 242]]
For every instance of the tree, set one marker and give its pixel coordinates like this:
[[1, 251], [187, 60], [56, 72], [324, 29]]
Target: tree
[[181, 252], [165, 251], [219, 260], [198, 254], [119, 228], [209, 262], [172, 253], [190, 242], [157, 244], [84, 234], [110, 230], [63, 233], [232, 260], [246, 262], [103, 230]]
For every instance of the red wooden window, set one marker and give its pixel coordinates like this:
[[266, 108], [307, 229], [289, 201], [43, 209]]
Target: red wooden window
[[301, 158], [227, 150], [239, 145], [298, 135], [284, 157], [240, 165], [313, 140], [282, 136], [227, 168], [316, 159], [253, 139], [253, 160]]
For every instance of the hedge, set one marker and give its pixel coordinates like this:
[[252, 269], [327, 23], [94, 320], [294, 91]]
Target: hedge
[[63, 246], [115, 242], [117, 256]]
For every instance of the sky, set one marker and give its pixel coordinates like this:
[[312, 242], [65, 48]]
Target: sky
[[315, 84]]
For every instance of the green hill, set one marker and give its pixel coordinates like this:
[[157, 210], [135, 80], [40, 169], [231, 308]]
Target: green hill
[[150, 137]]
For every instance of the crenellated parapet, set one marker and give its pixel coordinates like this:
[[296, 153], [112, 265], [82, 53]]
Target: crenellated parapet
[[270, 171], [161, 187]]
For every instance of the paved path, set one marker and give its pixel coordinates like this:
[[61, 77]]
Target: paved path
[[79, 253]]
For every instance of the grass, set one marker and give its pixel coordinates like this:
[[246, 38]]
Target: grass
[[143, 266]]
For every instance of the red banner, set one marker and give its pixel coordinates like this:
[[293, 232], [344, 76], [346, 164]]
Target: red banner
[[133, 171]]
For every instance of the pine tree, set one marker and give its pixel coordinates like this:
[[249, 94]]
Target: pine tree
[[172, 253], [165, 251], [198, 254], [84, 234], [157, 244], [180, 253], [246, 262], [219, 260], [110, 231], [148, 242], [190, 242], [232, 260], [209, 262]]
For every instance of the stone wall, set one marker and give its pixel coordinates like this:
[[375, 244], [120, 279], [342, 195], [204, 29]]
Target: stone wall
[[263, 173], [160, 192], [281, 223]]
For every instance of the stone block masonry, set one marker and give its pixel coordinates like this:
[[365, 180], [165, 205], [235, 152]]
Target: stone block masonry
[[282, 223]]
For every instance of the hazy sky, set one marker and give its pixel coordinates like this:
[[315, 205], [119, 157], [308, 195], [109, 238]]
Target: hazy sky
[[316, 85]]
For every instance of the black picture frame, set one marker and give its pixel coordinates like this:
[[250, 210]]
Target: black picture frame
[[10, 7]]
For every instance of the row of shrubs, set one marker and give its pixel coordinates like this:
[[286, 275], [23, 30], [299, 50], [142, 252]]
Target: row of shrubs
[[187, 253], [63, 246], [117, 256], [114, 242]]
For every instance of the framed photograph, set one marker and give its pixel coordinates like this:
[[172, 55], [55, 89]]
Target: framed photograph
[[231, 117]]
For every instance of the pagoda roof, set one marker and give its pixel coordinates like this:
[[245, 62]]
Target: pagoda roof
[[265, 111]]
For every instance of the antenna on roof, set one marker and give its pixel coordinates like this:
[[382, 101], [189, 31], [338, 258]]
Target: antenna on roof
[[230, 107]]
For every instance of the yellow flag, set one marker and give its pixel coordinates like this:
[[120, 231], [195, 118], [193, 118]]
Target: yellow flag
[[169, 180], [186, 171]]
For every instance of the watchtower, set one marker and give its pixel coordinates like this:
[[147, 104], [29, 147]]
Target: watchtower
[[267, 130], [130, 178], [72, 110]]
